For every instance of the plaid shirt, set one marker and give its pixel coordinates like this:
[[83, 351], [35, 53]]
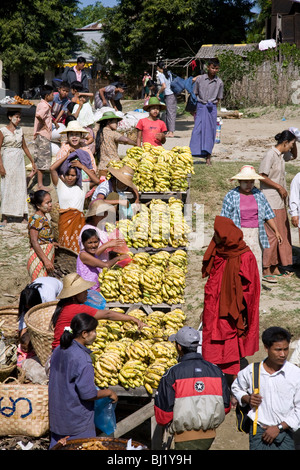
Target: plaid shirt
[[231, 209]]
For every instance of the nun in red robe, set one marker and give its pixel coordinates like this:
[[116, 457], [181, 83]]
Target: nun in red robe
[[230, 318]]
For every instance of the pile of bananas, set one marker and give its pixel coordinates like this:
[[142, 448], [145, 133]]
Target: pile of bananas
[[151, 279], [129, 284], [110, 285], [124, 356], [158, 225], [157, 169]]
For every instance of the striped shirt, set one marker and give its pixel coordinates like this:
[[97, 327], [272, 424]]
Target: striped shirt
[[231, 210]]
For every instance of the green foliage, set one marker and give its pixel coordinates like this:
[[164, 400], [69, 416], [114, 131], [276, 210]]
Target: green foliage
[[37, 35], [90, 14]]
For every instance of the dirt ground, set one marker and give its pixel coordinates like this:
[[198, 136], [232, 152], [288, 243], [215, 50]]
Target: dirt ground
[[244, 139]]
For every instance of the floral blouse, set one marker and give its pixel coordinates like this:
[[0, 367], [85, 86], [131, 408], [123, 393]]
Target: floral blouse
[[43, 226]]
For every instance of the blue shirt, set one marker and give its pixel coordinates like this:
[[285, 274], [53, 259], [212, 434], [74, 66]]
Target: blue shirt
[[231, 210], [71, 385]]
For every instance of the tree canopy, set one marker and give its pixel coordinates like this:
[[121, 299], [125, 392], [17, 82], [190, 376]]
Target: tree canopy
[[138, 31], [36, 35]]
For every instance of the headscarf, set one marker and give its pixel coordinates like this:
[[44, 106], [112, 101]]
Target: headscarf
[[80, 155], [231, 247]]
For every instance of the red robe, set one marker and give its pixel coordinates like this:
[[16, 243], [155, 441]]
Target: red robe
[[221, 343]]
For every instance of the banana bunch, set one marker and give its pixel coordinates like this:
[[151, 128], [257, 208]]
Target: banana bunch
[[139, 227], [130, 328], [179, 229], [151, 282], [143, 177], [110, 286], [173, 285], [102, 338], [142, 259], [162, 173], [134, 153], [140, 350], [159, 229], [131, 375], [179, 259], [173, 321], [129, 284], [182, 166], [160, 260], [155, 319], [166, 350], [124, 225], [154, 373], [107, 367]]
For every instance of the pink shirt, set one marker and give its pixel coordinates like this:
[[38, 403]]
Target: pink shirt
[[43, 120], [78, 73], [249, 211], [150, 129]]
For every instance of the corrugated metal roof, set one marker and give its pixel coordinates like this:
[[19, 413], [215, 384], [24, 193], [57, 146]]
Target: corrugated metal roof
[[209, 51]]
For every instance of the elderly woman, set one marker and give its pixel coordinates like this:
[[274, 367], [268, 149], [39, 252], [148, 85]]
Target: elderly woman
[[272, 168], [12, 168], [249, 209]]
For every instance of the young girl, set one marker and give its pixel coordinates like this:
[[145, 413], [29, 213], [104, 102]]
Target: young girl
[[71, 195], [42, 246], [107, 140], [72, 390], [152, 129], [89, 262], [77, 139]]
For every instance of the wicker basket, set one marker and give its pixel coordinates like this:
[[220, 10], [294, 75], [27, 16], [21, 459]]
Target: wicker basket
[[24, 409], [9, 321], [65, 261], [6, 371], [38, 320]]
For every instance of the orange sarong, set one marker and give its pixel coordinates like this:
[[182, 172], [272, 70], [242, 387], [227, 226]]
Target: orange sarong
[[70, 224]]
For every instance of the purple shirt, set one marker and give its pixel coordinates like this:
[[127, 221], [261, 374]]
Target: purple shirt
[[71, 385], [249, 211]]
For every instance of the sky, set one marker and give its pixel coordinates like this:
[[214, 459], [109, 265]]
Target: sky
[[105, 3]]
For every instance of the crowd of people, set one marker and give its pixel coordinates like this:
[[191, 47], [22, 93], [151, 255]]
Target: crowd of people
[[251, 245]]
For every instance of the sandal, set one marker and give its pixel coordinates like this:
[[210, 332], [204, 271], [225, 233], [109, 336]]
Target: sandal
[[269, 278]]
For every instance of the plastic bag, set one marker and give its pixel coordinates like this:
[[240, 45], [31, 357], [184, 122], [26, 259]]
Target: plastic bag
[[116, 234], [95, 300], [105, 417]]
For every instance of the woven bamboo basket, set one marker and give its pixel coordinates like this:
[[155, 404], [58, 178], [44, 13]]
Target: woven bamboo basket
[[6, 371], [65, 261], [38, 322], [24, 409], [9, 321]]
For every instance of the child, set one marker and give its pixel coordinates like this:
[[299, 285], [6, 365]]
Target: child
[[152, 129], [76, 136], [42, 131], [89, 262], [83, 112], [107, 141], [76, 89], [60, 103], [25, 349]]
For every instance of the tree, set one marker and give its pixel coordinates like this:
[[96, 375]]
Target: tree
[[257, 28], [138, 31], [37, 35], [90, 14]]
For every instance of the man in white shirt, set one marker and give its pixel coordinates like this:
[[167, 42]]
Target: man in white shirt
[[278, 400]]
